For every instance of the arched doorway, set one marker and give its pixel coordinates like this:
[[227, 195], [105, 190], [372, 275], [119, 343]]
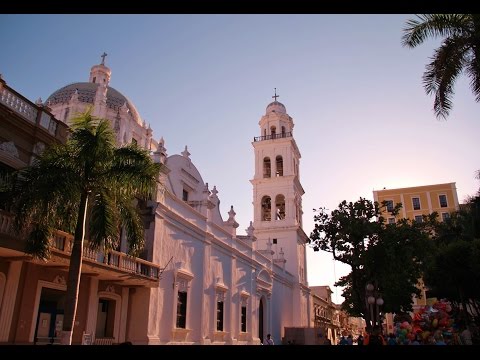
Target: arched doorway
[[260, 320]]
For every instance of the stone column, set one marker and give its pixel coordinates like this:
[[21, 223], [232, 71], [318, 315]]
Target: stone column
[[233, 309], [205, 276], [9, 299], [252, 309], [124, 315], [92, 307], [269, 314]]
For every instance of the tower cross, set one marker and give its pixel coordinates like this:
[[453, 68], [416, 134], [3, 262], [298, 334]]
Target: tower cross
[[275, 96], [103, 57]]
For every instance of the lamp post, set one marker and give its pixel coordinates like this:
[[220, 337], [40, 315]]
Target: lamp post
[[374, 301]]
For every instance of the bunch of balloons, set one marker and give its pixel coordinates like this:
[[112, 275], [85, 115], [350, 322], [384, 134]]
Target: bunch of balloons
[[426, 322]]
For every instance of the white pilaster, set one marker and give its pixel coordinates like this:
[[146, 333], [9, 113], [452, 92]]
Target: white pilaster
[[92, 306], [9, 299], [123, 314], [205, 311], [252, 305], [232, 309], [404, 212], [429, 201]]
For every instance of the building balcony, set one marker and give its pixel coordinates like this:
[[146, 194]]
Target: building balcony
[[36, 114], [113, 266]]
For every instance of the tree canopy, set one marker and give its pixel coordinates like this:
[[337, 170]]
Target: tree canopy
[[389, 255], [453, 271]]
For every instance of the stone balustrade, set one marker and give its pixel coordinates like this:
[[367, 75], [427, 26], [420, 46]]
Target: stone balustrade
[[62, 242], [18, 104]]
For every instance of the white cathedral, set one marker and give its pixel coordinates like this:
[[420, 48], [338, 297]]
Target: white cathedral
[[217, 287]]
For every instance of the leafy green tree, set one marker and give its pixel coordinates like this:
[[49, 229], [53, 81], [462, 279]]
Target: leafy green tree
[[86, 184], [387, 255], [459, 51], [454, 270]]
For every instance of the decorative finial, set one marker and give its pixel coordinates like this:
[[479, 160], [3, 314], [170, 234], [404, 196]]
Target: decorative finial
[[250, 230], [275, 96], [103, 57], [231, 218], [185, 152], [214, 191], [231, 213]]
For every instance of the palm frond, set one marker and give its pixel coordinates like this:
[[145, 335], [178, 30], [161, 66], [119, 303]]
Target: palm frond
[[38, 242], [40, 191], [434, 25], [104, 222], [473, 71], [133, 227], [94, 143], [441, 73], [134, 171]]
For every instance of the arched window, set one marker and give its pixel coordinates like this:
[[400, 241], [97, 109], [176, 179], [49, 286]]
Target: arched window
[[279, 163], [273, 131], [280, 207], [266, 208], [267, 168], [283, 131]]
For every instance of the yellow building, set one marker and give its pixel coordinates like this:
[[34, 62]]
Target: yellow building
[[417, 201]]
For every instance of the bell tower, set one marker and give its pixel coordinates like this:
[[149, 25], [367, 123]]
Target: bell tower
[[277, 191]]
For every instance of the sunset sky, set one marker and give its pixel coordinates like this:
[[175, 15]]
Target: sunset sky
[[362, 118]]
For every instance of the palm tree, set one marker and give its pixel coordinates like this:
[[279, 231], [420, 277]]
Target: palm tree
[[460, 51], [87, 182]]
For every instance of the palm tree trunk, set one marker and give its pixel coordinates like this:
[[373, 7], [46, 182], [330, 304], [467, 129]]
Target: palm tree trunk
[[74, 273]]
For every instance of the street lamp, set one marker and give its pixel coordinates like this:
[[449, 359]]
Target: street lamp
[[374, 301]]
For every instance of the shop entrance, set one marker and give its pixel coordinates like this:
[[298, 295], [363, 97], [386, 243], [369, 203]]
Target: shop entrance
[[50, 316]]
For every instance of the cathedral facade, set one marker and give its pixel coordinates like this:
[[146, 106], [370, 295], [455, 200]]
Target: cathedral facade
[[197, 281]]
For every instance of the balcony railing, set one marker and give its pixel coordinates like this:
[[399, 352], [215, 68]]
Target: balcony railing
[[272, 137], [62, 243], [18, 104], [6, 222], [28, 110]]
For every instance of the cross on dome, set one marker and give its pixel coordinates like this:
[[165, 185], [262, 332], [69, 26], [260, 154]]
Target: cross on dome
[[103, 57], [275, 96]]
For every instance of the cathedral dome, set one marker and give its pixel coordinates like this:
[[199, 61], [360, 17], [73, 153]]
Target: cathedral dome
[[276, 107], [86, 94]]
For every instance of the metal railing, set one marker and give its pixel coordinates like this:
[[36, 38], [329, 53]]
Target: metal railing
[[273, 136]]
